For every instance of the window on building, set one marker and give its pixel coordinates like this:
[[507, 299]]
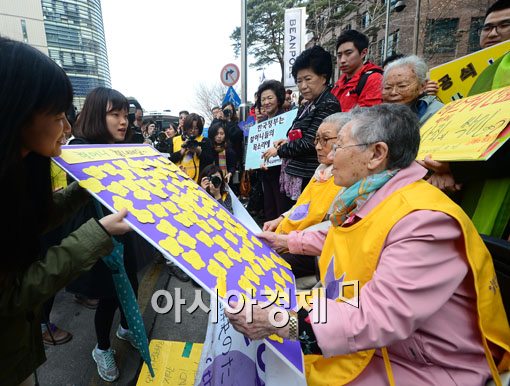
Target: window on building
[[393, 43], [440, 35], [365, 20], [24, 30], [474, 33], [380, 48], [68, 60]]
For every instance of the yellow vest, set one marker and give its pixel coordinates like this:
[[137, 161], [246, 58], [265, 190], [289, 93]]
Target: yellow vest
[[363, 242], [311, 206], [190, 165]]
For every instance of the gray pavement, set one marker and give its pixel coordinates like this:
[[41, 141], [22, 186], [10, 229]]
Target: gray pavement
[[72, 363]]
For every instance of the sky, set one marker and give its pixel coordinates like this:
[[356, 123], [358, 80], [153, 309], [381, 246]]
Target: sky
[[159, 50]]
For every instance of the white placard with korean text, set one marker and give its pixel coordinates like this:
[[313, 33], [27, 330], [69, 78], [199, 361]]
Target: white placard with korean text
[[263, 135]]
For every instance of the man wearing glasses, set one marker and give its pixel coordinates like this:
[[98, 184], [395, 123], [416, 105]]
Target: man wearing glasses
[[491, 175], [496, 28]]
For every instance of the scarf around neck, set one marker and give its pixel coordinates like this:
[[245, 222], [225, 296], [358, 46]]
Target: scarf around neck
[[353, 197]]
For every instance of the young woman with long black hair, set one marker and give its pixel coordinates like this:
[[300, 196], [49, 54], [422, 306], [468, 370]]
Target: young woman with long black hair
[[35, 93]]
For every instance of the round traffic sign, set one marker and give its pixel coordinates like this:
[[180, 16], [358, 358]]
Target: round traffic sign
[[229, 74]]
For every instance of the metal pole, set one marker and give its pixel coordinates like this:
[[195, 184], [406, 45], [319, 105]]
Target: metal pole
[[387, 29], [416, 27], [244, 55]]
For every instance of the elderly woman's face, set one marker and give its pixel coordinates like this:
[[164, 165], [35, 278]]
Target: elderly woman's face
[[401, 85], [324, 140], [310, 84], [350, 159]]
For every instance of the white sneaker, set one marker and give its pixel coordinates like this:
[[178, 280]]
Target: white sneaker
[[106, 366], [126, 335]]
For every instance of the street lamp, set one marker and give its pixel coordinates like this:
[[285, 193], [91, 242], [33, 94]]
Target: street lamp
[[398, 6]]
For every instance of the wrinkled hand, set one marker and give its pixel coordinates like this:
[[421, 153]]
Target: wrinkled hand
[[270, 226], [431, 87], [444, 181], [114, 224], [435, 166], [260, 326], [278, 242], [271, 152]]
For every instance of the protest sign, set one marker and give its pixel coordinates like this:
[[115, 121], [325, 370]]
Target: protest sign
[[262, 137], [469, 129], [188, 226], [175, 363], [456, 77], [260, 366], [227, 354]]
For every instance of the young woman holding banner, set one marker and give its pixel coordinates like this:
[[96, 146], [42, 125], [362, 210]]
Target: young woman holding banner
[[34, 95]]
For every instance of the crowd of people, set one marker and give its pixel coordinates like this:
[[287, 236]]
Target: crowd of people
[[349, 202]]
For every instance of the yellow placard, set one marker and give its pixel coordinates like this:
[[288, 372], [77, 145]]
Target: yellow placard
[[456, 78], [464, 130], [74, 155], [58, 177], [174, 363]]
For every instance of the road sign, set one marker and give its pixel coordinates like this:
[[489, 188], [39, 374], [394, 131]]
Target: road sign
[[229, 74], [231, 96]]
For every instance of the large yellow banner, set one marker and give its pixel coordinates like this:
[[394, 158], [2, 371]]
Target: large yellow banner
[[456, 78], [469, 129]]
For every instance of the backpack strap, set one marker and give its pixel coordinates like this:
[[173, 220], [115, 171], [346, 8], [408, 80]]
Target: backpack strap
[[363, 80]]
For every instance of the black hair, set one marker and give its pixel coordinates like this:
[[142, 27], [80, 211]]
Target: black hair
[[359, 40], [188, 123], [215, 108], [213, 131], [315, 58], [208, 171], [274, 86], [91, 124], [184, 112], [391, 58], [30, 84], [499, 5], [134, 102]]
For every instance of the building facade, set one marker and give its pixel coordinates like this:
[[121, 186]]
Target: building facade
[[76, 41], [23, 21], [447, 29]]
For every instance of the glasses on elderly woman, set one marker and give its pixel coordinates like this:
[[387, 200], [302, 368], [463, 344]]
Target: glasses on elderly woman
[[337, 147], [400, 88], [322, 140]]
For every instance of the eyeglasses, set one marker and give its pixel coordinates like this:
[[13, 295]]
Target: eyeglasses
[[401, 88], [504, 26], [336, 147], [322, 141]]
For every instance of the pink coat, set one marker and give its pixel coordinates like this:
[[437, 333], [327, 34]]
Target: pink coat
[[420, 303]]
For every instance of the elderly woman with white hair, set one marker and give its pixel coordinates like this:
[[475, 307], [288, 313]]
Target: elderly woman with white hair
[[405, 82], [428, 310], [313, 206]]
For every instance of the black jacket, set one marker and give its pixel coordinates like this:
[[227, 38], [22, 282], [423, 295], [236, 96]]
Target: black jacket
[[301, 152]]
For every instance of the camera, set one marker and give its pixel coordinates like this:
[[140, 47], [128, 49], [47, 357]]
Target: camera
[[215, 181], [227, 113], [191, 143]]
